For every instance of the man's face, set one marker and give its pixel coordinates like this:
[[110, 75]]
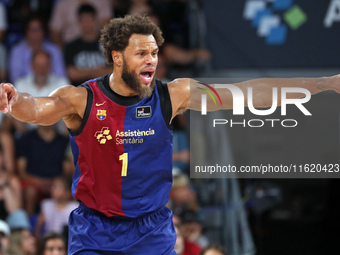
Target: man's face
[[41, 65], [87, 23], [55, 246], [139, 64], [35, 32], [28, 242], [4, 241]]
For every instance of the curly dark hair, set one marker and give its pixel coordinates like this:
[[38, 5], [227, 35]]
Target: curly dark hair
[[116, 34]]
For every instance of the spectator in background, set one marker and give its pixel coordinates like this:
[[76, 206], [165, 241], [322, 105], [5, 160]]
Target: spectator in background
[[12, 126], [182, 56], [182, 196], [10, 189], [179, 245], [180, 146], [52, 244], [22, 242], [3, 63], [64, 26], [21, 54], [178, 49], [213, 249], [4, 237], [41, 82], [7, 162], [19, 10], [3, 21], [139, 7], [120, 8], [40, 158], [3, 55], [191, 229], [55, 211], [10, 197], [174, 20], [176, 219], [162, 68], [83, 57], [68, 165]]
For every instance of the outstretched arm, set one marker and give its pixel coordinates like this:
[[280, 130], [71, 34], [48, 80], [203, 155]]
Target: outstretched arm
[[185, 95], [66, 103]]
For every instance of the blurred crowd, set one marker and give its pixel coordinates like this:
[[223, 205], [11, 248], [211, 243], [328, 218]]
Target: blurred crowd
[[48, 44]]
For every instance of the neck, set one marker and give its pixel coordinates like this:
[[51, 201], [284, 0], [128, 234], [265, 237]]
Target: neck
[[119, 86], [40, 80], [34, 45], [61, 202]]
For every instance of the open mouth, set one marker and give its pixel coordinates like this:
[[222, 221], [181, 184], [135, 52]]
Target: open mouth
[[147, 76]]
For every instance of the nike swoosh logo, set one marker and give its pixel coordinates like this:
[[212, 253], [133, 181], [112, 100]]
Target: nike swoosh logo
[[100, 104]]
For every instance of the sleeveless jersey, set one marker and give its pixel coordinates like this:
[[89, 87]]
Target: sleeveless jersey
[[123, 151]]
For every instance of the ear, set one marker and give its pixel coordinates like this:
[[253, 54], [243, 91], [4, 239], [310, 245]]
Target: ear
[[117, 57]]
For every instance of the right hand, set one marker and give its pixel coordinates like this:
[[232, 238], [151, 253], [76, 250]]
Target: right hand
[[8, 96]]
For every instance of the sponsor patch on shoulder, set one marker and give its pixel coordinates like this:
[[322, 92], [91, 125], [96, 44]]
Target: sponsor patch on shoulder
[[143, 111]]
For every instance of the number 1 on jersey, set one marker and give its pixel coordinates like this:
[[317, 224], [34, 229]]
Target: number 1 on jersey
[[124, 157]]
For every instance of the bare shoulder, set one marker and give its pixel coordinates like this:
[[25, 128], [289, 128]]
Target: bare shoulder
[[180, 84], [179, 90], [75, 99], [74, 96], [69, 92]]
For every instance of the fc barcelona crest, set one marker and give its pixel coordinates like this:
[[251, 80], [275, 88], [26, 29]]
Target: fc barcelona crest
[[101, 114]]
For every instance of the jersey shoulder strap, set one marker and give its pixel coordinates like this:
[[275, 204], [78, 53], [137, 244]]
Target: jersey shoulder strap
[[165, 101], [89, 102]]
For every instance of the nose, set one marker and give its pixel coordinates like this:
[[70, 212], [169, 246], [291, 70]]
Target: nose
[[149, 59]]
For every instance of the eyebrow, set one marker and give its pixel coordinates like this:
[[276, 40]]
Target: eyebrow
[[155, 49]]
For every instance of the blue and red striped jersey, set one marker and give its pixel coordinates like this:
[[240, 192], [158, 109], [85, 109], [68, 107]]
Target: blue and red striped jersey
[[123, 151]]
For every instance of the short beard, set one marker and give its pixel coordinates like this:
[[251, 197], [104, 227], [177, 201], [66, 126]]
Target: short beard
[[131, 80]]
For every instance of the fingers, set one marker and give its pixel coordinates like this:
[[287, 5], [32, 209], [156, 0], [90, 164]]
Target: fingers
[[3, 98], [6, 91]]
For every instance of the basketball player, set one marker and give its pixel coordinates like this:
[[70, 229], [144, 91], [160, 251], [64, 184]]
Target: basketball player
[[120, 129]]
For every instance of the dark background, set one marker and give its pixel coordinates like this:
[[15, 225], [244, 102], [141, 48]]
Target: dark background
[[234, 42]]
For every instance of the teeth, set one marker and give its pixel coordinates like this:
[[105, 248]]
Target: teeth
[[147, 77]]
